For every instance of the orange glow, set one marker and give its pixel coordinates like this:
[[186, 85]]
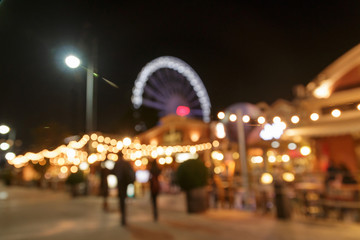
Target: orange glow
[[63, 169]]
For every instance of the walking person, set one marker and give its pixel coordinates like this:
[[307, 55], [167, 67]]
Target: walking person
[[154, 187], [104, 188], [125, 175]]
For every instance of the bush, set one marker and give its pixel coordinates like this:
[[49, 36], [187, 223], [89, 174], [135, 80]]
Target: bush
[[192, 174]]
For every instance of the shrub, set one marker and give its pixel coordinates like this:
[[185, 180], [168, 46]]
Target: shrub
[[192, 174]]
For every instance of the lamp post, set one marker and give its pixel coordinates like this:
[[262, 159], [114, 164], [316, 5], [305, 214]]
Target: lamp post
[[74, 62], [241, 141]]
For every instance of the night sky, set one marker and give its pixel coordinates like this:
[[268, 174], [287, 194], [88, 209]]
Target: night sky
[[250, 51]]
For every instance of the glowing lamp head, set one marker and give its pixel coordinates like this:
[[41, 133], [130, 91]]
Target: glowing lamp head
[[4, 129], [72, 61], [221, 115], [182, 111], [266, 178]]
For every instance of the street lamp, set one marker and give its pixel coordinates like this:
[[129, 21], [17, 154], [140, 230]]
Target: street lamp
[[74, 62]]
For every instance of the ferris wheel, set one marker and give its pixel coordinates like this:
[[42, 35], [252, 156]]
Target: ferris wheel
[[170, 86]]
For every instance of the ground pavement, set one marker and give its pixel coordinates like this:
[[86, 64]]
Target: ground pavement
[[30, 213]]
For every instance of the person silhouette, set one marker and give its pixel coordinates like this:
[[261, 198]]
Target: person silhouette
[[154, 187], [125, 175]]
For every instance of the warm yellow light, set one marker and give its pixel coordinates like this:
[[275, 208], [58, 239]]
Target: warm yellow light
[[358, 107], [168, 160], [266, 178], [107, 140], [94, 144], [323, 91], [76, 161], [154, 154], [217, 155], [92, 158], [246, 118], [233, 118], [138, 163], [169, 151], [100, 139], [160, 151], [336, 113], [221, 115], [162, 161], [220, 130], [74, 169], [235, 155], [153, 142], [144, 161], [314, 116], [261, 120], [113, 142], [295, 119], [127, 141], [285, 158], [305, 150], [63, 169], [93, 136], [61, 161], [195, 136], [216, 143], [288, 177], [257, 159], [217, 170]]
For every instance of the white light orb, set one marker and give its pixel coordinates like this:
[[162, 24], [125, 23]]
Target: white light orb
[[266, 178], [271, 159], [221, 115], [4, 129], [127, 141], [292, 146], [10, 156], [246, 118], [4, 146], [261, 120], [112, 181], [295, 119], [305, 150], [232, 118], [314, 116], [109, 164], [358, 107], [285, 158], [276, 119], [220, 130], [84, 166], [275, 144], [72, 61], [336, 113]]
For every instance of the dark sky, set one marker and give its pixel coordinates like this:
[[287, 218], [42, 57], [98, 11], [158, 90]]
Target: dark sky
[[244, 51]]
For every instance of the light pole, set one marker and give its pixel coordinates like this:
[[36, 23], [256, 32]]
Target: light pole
[[74, 62]]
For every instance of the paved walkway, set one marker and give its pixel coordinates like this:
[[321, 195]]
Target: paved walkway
[[30, 213]]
